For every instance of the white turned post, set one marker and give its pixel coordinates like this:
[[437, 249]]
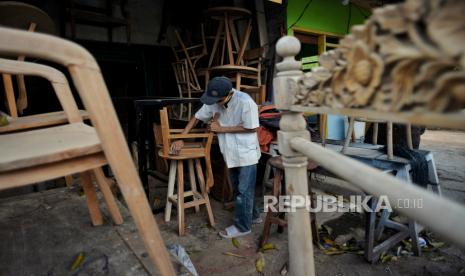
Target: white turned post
[[292, 125]]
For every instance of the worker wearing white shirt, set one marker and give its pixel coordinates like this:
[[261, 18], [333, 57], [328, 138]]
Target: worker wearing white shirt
[[235, 120]]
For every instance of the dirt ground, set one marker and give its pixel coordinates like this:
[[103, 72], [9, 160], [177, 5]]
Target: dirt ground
[[42, 233], [208, 251]]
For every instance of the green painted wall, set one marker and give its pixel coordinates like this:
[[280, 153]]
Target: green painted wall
[[324, 15]]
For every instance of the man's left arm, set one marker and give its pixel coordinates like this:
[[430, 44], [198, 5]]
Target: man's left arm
[[216, 127]]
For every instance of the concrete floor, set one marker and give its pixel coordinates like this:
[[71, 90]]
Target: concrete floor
[[42, 233]]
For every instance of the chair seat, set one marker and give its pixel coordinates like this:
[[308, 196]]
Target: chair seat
[[184, 154], [39, 121], [43, 146]]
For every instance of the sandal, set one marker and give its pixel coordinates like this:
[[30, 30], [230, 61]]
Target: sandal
[[232, 232]]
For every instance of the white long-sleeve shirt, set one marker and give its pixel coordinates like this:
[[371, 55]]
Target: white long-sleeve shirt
[[238, 149]]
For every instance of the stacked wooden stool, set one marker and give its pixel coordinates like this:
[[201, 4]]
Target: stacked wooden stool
[[279, 189]]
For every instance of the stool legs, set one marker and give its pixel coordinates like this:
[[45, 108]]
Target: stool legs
[[203, 190], [190, 163], [180, 198], [177, 173], [172, 176]]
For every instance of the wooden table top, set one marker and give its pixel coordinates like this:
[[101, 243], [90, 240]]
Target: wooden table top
[[235, 68], [218, 13]]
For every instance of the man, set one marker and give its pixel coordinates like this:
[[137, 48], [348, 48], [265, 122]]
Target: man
[[233, 115]]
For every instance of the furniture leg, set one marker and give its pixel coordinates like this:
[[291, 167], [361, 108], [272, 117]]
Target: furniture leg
[[433, 175], [10, 95], [408, 131], [180, 198], [69, 181], [215, 44], [238, 81], [91, 197], [108, 196], [350, 129], [204, 192], [171, 179], [323, 123], [390, 150], [370, 231], [375, 133], [313, 221], [266, 176], [228, 40], [190, 164], [413, 232]]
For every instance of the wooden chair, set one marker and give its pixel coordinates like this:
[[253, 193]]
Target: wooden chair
[[247, 77], [38, 155], [191, 152], [25, 17], [188, 86], [251, 81], [63, 91], [191, 54]]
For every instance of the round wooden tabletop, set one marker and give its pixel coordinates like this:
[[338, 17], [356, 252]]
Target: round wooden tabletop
[[234, 68], [19, 15], [218, 13]]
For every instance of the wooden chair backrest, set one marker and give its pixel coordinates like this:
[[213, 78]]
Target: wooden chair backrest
[[169, 134], [185, 79], [57, 79]]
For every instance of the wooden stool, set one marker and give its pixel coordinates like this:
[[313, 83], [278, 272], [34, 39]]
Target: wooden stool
[[192, 151], [278, 190], [177, 172]]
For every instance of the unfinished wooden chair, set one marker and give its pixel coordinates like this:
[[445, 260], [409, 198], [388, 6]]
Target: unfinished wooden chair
[[25, 17], [188, 86], [190, 53], [63, 92], [38, 155], [191, 152]]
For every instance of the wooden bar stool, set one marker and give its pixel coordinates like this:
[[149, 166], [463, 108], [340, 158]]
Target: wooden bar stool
[[191, 152], [279, 189]]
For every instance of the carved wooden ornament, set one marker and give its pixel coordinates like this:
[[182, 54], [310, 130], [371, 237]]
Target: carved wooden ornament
[[406, 57]]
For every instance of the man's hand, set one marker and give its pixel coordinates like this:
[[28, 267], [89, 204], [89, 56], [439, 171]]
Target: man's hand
[[215, 127], [176, 147]]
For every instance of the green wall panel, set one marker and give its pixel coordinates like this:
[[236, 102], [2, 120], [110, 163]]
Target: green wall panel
[[324, 15]]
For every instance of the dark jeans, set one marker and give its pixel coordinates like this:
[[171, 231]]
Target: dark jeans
[[243, 182]]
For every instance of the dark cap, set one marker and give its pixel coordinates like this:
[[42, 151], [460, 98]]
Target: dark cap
[[217, 88]]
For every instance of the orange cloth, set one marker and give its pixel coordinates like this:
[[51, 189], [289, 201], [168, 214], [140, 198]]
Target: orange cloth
[[264, 138]]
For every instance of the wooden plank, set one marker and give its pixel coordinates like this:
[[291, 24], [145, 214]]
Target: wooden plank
[[26, 149], [454, 120], [40, 173], [39, 121]]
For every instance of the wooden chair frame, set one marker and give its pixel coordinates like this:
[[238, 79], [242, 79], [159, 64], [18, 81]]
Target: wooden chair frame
[[63, 92], [92, 90]]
